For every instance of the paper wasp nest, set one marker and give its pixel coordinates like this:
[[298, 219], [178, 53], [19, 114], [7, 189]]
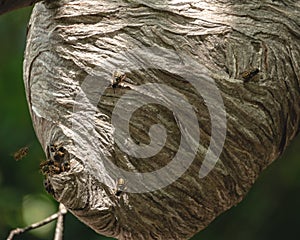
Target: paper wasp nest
[[157, 116]]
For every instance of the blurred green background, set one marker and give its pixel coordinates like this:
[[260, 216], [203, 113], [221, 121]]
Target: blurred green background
[[269, 212]]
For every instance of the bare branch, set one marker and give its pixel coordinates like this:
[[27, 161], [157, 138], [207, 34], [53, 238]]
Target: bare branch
[[62, 211], [60, 223]]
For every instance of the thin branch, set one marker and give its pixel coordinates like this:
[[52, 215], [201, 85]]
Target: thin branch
[[62, 211], [10, 5], [60, 223]]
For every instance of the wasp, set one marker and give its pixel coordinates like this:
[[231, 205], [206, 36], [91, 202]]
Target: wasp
[[58, 160], [249, 74], [117, 79], [48, 187], [120, 186], [21, 153], [56, 151], [50, 167]]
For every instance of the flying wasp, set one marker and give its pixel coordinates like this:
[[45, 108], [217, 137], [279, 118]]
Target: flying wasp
[[21, 153]]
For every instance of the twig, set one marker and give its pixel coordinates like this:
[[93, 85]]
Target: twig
[[60, 223], [62, 211]]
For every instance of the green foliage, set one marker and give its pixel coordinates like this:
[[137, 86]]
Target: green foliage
[[269, 212]]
